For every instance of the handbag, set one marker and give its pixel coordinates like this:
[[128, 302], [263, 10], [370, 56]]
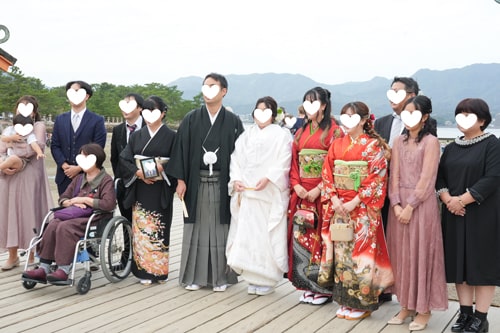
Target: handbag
[[305, 217], [341, 231], [73, 212]]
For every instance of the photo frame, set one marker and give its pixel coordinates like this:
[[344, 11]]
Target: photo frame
[[148, 167]]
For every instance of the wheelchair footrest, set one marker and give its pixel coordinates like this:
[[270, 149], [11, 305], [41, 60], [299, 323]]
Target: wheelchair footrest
[[61, 283]]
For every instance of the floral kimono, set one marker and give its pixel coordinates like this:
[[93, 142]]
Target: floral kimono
[[358, 270]]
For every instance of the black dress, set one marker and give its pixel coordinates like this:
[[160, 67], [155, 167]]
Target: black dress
[[472, 242]]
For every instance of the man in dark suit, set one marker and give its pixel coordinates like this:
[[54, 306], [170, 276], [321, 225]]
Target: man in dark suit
[[131, 107], [72, 130], [390, 126]]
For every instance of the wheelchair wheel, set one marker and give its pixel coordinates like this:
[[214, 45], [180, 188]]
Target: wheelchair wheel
[[29, 284], [84, 284], [116, 249]]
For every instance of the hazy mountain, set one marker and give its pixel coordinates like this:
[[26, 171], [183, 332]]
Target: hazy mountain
[[445, 88]]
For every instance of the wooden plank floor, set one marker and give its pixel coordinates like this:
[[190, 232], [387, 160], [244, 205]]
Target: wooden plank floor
[[128, 306]]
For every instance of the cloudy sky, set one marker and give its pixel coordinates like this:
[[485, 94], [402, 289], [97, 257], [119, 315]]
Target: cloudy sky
[[331, 41]]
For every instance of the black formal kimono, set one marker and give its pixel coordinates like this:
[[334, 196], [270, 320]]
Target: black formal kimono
[[151, 204]]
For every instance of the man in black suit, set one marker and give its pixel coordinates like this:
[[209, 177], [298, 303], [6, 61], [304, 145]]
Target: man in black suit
[[72, 130], [131, 107]]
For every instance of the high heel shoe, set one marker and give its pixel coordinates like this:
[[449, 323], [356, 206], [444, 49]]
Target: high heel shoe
[[400, 318], [419, 325]]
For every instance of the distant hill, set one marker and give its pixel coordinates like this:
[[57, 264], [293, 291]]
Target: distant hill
[[445, 88]]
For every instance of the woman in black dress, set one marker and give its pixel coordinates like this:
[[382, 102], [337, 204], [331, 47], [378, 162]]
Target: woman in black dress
[[468, 185]]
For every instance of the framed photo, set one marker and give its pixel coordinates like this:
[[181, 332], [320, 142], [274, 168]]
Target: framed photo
[[149, 169]]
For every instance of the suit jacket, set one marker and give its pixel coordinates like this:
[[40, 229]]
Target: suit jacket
[[118, 143], [383, 126], [66, 143]]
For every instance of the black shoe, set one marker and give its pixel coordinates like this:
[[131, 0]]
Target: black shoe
[[476, 325], [461, 322], [385, 297]]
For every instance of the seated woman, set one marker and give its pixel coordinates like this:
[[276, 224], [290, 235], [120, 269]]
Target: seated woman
[[94, 189]]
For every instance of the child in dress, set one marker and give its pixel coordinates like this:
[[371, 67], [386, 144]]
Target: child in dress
[[22, 126]]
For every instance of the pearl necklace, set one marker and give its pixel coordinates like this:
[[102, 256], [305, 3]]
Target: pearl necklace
[[461, 141]]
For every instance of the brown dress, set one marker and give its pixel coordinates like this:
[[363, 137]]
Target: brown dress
[[25, 198]]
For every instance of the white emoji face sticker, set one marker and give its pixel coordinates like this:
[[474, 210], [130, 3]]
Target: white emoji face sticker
[[210, 91], [262, 116], [411, 119], [23, 129], [151, 116], [311, 108], [350, 121], [86, 162], [396, 96], [127, 106], [466, 121], [25, 109], [76, 96], [290, 122]]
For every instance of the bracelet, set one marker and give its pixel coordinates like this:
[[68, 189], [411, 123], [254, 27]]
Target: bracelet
[[442, 190], [461, 202]]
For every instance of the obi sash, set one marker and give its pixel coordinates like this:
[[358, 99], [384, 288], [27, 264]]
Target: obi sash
[[311, 162], [348, 175]]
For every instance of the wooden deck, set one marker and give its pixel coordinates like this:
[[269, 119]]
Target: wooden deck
[[128, 306]]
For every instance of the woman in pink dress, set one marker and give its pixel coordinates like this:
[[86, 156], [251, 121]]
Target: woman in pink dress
[[414, 229], [25, 195]]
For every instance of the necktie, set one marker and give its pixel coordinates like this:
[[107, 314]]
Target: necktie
[[75, 122], [132, 128]]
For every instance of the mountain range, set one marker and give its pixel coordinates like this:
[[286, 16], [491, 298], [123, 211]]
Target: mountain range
[[444, 87]]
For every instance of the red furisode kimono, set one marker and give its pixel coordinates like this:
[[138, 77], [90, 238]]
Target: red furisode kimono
[[360, 269], [305, 244]]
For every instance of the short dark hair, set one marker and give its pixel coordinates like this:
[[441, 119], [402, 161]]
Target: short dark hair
[[97, 150], [156, 102], [83, 85], [477, 106], [217, 77], [270, 103], [411, 86], [138, 98], [22, 120]]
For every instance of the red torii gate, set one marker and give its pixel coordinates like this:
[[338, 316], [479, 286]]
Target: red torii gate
[[6, 60]]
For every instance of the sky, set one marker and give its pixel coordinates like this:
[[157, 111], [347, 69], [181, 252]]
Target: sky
[[330, 41]]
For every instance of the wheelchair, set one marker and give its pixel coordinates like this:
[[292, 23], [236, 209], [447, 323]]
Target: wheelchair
[[107, 242]]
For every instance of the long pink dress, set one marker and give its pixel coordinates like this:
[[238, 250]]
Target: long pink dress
[[25, 199], [416, 249]]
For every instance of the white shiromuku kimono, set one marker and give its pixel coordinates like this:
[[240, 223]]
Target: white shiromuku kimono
[[257, 241]]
